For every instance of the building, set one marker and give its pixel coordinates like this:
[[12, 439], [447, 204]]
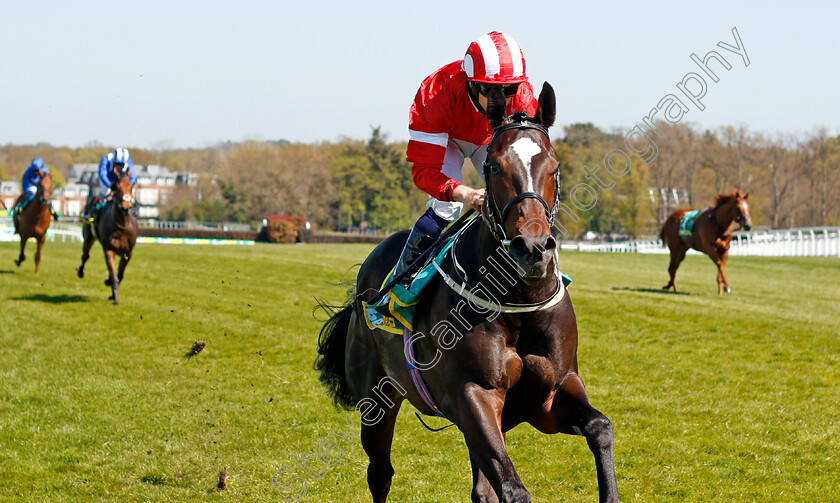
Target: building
[[155, 184], [668, 199], [70, 200], [9, 192]]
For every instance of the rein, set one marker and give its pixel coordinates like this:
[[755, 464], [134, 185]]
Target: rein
[[463, 290], [491, 210]]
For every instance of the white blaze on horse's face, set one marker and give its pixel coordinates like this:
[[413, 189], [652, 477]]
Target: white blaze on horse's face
[[526, 149]]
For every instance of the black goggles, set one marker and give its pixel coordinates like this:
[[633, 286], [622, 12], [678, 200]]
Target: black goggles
[[508, 89]]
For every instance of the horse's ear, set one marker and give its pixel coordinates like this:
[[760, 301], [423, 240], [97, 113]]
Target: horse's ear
[[547, 106], [747, 195], [496, 107]]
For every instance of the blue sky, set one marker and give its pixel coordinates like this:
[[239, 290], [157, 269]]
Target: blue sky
[[157, 74]]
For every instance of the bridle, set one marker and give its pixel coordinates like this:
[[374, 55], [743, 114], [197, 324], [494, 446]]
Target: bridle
[[127, 197], [495, 221], [494, 218], [739, 215]]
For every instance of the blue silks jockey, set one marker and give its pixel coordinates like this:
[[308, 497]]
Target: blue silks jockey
[[31, 178], [110, 167]]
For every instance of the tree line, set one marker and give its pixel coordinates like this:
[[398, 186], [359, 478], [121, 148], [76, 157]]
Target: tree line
[[793, 180]]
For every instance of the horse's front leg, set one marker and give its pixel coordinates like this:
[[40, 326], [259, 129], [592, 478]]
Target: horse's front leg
[[22, 257], [479, 419], [723, 258], [112, 280], [38, 253], [123, 263], [482, 491], [570, 412], [87, 235], [712, 252]]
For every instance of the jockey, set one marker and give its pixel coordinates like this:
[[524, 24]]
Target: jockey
[[31, 178], [447, 124], [110, 167]]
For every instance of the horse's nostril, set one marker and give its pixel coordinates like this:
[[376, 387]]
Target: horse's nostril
[[519, 248], [550, 244]]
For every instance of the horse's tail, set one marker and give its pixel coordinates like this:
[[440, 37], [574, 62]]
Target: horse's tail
[[332, 342], [668, 220]]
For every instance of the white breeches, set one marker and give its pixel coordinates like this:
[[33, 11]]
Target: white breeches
[[453, 162]]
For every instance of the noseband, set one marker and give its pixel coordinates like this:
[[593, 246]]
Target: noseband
[[494, 218], [126, 198]]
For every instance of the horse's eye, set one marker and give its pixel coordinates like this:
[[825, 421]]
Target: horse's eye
[[494, 169]]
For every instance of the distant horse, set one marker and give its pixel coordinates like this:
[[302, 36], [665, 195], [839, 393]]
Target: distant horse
[[34, 220], [709, 236], [116, 230], [497, 353]]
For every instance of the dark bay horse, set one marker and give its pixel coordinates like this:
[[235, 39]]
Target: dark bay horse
[[116, 230], [500, 352], [709, 236], [34, 220]]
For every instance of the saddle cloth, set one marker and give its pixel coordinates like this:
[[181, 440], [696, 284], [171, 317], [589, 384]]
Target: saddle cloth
[[687, 222], [404, 300]]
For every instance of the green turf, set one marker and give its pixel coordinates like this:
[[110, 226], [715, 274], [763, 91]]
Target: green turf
[[713, 399]]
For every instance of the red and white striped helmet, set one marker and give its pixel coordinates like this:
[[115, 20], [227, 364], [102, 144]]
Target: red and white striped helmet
[[495, 58]]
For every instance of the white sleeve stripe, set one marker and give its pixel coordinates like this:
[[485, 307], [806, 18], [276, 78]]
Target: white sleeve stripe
[[439, 139]]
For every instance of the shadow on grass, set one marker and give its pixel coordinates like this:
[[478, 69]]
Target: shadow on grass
[[53, 299], [6, 271], [650, 290]]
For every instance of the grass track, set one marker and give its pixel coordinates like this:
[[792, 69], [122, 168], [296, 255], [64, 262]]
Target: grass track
[[732, 399]]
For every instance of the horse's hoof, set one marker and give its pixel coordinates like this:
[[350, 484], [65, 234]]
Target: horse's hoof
[[80, 273], [108, 282], [726, 289], [17, 262]]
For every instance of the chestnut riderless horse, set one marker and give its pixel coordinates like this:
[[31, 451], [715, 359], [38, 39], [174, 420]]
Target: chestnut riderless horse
[[709, 235]]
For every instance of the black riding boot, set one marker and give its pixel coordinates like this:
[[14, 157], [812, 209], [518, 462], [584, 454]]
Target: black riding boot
[[417, 243]]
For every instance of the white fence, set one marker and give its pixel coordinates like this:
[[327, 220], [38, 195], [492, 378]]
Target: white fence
[[58, 231], [805, 242]]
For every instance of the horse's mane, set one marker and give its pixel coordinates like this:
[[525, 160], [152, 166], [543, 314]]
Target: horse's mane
[[722, 199]]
